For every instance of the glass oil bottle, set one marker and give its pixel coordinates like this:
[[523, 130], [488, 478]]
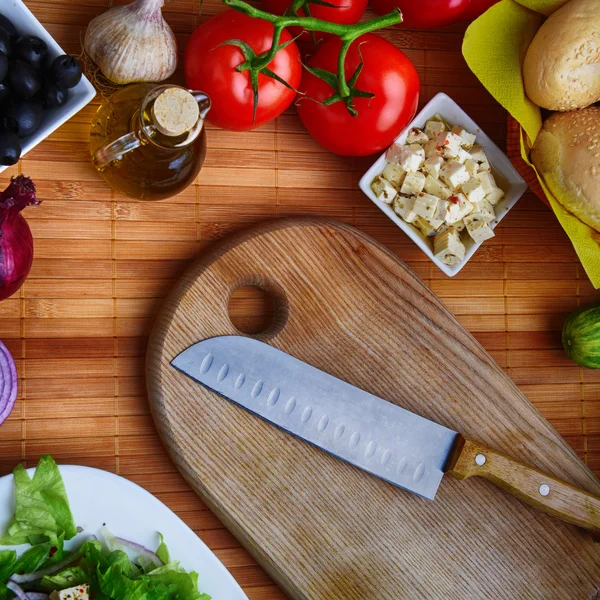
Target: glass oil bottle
[[148, 141]]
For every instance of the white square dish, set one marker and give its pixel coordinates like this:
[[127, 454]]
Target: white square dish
[[506, 175], [79, 96]]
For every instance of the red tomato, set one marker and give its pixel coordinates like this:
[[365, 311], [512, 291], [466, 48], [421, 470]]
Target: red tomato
[[349, 12], [423, 14], [212, 69], [387, 73], [475, 9]]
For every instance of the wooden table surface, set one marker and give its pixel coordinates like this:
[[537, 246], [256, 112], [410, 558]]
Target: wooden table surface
[[78, 328]]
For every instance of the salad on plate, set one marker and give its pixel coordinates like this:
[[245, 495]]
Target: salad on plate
[[36, 565]]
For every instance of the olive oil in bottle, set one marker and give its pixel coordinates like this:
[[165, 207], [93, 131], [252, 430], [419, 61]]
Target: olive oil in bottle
[[148, 141]]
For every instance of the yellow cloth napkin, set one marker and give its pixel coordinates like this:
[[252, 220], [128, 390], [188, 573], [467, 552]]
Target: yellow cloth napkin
[[494, 48]]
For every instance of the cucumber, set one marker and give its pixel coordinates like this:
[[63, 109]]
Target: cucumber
[[581, 337]]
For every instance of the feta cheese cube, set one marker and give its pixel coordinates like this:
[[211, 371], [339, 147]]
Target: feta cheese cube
[[413, 184], [407, 157], [449, 144], [494, 196], [424, 226], [478, 229], [417, 149], [79, 592], [477, 154], [459, 226], [473, 190], [433, 128], [416, 136], [472, 167], [383, 190], [458, 208], [439, 217], [485, 209], [395, 174], [468, 139], [432, 166], [448, 247], [485, 166], [431, 149], [436, 188], [454, 174], [463, 156], [425, 205], [487, 181], [403, 206]]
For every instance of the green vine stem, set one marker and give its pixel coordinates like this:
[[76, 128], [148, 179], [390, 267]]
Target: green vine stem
[[346, 33]]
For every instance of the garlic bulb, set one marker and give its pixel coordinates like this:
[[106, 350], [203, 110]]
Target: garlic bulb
[[132, 43]]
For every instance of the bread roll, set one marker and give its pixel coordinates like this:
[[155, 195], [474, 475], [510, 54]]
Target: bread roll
[[562, 65], [566, 154]]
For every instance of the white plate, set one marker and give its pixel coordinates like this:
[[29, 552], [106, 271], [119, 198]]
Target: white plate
[[506, 176], [79, 96], [129, 511]]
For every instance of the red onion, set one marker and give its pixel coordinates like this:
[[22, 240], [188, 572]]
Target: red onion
[[8, 383], [141, 550], [116, 543], [17, 590], [16, 241]]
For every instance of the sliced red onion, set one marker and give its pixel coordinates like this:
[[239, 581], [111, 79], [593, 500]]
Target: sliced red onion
[[8, 383], [115, 543], [13, 587], [37, 596], [141, 550]]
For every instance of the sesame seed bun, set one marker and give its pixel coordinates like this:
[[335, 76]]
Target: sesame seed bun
[[566, 154], [561, 70]]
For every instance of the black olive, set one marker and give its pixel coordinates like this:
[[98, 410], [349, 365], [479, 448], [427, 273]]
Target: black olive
[[23, 117], [10, 148], [31, 49], [3, 66], [65, 71], [4, 93], [24, 79], [5, 43], [8, 26], [53, 96]]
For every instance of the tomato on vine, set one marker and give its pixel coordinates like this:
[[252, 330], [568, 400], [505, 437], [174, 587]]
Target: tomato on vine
[[367, 112], [424, 14], [229, 58], [334, 11]]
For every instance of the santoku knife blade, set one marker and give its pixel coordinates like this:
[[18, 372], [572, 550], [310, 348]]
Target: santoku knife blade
[[375, 435]]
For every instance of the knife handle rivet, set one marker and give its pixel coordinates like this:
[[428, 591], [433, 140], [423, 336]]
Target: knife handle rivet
[[544, 489], [480, 460]]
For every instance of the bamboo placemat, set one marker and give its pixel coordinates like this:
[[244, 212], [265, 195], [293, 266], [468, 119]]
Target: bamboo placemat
[[103, 263]]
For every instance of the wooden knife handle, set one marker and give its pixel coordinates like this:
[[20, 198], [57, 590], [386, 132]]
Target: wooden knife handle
[[530, 485]]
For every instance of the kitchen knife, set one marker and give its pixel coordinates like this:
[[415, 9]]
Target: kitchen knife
[[377, 436]]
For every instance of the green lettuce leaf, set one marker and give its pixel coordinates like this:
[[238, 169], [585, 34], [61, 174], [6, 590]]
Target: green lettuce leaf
[[32, 559], [162, 551], [172, 577], [8, 558], [65, 579], [146, 564], [49, 481], [42, 508], [168, 582]]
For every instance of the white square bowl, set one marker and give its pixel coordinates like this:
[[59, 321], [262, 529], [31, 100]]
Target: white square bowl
[[505, 174], [79, 96]]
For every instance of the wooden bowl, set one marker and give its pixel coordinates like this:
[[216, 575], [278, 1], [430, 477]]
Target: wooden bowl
[[513, 151]]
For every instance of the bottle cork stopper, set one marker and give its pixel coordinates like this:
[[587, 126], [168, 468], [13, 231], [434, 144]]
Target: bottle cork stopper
[[175, 112]]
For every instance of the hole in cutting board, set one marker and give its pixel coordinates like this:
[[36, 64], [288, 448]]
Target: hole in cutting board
[[252, 309]]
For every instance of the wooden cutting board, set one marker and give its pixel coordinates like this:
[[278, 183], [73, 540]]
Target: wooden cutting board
[[323, 529]]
